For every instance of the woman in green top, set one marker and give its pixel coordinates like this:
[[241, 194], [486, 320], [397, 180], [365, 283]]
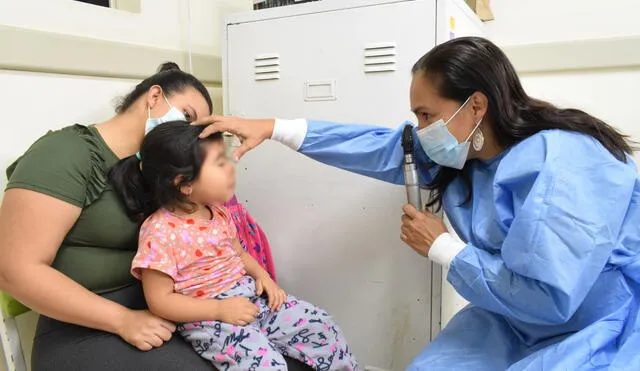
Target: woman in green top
[[66, 241]]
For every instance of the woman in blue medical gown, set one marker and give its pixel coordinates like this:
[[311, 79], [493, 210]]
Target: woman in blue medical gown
[[545, 200]]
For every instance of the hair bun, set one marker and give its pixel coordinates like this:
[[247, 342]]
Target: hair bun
[[168, 66]]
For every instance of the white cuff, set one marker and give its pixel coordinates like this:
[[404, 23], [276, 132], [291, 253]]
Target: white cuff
[[291, 133], [444, 249]]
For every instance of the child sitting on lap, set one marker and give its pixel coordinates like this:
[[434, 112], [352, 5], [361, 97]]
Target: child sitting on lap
[[195, 272]]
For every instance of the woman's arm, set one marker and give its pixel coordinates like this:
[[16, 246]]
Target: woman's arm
[[373, 151], [32, 228], [368, 150]]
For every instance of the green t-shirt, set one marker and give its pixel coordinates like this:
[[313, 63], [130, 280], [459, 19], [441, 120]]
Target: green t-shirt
[[72, 164]]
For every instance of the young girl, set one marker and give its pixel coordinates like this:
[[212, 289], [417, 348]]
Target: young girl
[[195, 272]]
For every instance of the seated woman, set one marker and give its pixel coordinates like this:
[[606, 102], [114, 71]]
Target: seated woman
[[67, 242]]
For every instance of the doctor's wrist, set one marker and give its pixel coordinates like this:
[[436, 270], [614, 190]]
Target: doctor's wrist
[[444, 249], [291, 133], [268, 127]]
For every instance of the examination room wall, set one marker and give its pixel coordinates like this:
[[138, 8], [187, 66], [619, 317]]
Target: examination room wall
[[35, 102], [601, 85], [605, 87]]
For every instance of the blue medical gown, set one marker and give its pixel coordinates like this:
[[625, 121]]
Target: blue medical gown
[[551, 266]]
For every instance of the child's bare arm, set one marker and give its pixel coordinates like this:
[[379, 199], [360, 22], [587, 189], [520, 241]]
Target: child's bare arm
[[276, 295], [165, 303], [250, 264]]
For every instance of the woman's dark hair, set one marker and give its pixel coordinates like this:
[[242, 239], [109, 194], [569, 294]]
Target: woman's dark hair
[[171, 151], [171, 79], [466, 65]]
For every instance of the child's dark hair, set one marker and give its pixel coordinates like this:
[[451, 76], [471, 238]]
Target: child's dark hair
[[171, 79], [171, 151]]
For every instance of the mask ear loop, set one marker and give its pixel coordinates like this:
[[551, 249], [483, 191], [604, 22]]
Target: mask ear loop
[[474, 130], [456, 112]]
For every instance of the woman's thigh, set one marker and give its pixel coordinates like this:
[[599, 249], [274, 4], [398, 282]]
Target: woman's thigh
[[60, 346], [71, 348], [64, 347]]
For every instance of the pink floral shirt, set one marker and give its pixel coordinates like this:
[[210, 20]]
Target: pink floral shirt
[[196, 253]]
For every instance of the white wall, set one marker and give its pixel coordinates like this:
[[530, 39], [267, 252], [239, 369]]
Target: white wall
[[610, 94], [161, 23], [35, 103], [521, 22]]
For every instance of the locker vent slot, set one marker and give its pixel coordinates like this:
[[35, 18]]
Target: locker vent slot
[[267, 67], [380, 57]]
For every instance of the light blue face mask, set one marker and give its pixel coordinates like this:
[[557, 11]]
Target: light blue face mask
[[443, 148], [173, 115]]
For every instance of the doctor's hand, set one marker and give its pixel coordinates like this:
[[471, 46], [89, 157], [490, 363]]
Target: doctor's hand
[[420, 230], [251, 132]]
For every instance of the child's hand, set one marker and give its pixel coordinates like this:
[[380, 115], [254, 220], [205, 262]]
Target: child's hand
[[276, 295], [238, 311]]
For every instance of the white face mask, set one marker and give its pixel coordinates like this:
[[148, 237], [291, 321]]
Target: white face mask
[[443, 148], [173, 115]]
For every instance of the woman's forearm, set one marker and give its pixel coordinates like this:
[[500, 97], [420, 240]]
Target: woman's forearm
[[51, 293], [373, 151]]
